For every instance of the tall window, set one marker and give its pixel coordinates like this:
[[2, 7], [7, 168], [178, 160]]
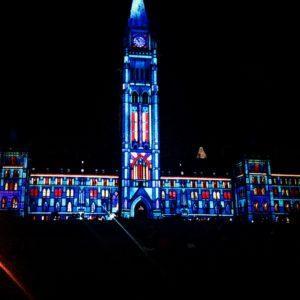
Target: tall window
[[141, 168], [93, 207], [69, 207], [134, 124], [135, 97], [3, 203], [145, 125]]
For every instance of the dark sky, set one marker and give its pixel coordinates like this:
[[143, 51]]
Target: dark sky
[[228, 78]]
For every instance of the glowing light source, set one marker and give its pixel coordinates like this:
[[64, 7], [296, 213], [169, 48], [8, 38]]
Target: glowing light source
[[138, 16]]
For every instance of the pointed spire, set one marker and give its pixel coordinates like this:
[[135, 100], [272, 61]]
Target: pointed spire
[[138, 15]]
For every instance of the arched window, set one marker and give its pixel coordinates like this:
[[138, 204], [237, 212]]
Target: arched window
[[93, 207], [4, 203], [145, 98], [15, 203], [256, 206], [7, 174], [16, 174], [135, 97], [141, 168], [45, 206], [287, 206], [57, 206], [276, 206], [69, 207], [163, 195]]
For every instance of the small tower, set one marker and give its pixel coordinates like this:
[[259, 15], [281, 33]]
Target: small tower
[[140, 119], [13, 182]]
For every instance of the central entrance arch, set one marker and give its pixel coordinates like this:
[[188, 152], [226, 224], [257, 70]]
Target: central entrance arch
[[141, 209]]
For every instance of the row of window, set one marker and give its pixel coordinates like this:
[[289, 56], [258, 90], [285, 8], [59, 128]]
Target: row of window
[[11, 174], [259, 191], [286, 181], [216, 195], [11, 186], [258, 179], [207, 207], [258, 167], [58, 193], [72, 181], [286, 192], [14, 204], [287, 206], [196, 184]]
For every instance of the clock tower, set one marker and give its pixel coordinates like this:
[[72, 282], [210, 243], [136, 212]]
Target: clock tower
[[140, 120]]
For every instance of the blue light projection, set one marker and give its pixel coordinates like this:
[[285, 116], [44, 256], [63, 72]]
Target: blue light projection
[[138, 15]]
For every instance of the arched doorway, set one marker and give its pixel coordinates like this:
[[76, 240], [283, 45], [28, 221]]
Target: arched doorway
[[141, 211]]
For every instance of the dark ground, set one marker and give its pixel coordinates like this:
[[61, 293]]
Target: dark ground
[[187, 260]]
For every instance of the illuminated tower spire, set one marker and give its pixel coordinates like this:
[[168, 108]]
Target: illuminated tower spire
[[138, 15], [140, 119]]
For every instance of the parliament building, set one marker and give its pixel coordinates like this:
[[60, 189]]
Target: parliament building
[[252, 192]]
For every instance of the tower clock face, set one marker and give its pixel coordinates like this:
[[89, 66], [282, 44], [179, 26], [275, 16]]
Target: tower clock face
[[140, 41]]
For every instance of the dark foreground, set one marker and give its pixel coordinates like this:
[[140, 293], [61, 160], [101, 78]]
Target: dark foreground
[[96, 261]]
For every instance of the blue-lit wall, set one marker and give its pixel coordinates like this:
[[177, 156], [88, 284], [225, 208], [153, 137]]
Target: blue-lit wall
[[68, 196]]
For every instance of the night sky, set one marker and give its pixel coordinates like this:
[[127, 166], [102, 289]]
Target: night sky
[[228, 79]]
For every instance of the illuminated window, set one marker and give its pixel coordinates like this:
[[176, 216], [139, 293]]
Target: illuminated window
[[34, 192], [15, 187], [3, 203], [70, 193], [57, 192], [105, 193], [70, 181], [93, 207], [141, 168], [145, 125], [94, 181], [58, 181], [6, 186], [163, 195], [93, 193], [7, 174], [287, 206], [256, 206], [57, 206], [172, 195], [69, 207], [276, 206], [205, 195], [134, 125], [266, 207], [15, 203]]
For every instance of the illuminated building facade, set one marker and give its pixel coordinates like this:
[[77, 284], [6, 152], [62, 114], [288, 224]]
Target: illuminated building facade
[[254, 193]]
